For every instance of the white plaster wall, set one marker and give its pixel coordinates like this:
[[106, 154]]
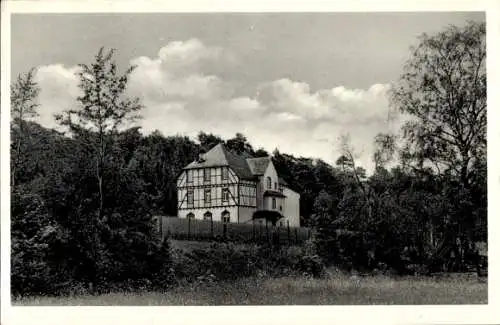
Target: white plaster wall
[[245, 214], [270, 172], [291, 207], [216, 213]]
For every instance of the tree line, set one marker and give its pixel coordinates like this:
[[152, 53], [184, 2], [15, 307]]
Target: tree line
[[82, 200]]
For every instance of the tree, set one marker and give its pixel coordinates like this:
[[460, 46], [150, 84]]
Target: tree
[[348, 162], [35, 236], [385, 147], [443, 91], [23, 97], [325, 229], [261, 152], [208, 141], [103, 108], [240, 145]]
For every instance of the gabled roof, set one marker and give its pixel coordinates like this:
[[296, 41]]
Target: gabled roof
[[282, 181], [258, 166], [220, 156]]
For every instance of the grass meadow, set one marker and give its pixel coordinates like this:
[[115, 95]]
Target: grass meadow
[[335, 289]]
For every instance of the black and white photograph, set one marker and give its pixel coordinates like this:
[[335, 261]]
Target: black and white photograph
[[239, 158]]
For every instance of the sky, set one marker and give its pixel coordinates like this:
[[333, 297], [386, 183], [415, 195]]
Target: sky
[[291, 81]]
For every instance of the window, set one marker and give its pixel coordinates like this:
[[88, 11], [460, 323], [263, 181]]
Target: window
[[207, 216], [275, 185], [225, 195], [225, 216], [281, 224], [208, 197], [190, 216], [274, 203], [189, 176], [225, 173], [206, 175], [190, 198], [268, 182], [281, 208]]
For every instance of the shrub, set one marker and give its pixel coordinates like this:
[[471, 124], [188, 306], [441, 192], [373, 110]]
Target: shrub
[[311, 265], [229, 261], [35, 236]]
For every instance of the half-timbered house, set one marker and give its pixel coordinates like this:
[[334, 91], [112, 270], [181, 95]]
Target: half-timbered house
[[222, 186]]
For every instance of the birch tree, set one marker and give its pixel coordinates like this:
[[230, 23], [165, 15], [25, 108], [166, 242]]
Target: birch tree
[[102, 108], [23, 100]]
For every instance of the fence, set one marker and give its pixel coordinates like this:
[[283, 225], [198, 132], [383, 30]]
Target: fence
[[188, 229]]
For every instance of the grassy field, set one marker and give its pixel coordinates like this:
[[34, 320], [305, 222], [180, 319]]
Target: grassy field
[[333, 290]]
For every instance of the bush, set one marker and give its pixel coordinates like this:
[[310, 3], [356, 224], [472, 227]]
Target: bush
[[228, 261], [35, 236], [311, 265]]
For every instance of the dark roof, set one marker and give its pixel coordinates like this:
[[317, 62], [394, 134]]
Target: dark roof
[[258, 166], [273, 193], [282, 181], [220, 156]]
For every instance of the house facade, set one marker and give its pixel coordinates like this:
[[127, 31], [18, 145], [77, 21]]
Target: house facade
[[222, 186]]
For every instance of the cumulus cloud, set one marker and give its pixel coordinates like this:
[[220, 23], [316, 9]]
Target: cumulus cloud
[[58, 91], [183, 94]]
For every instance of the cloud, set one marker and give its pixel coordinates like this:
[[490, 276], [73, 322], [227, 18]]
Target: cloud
[[58, 91], [183, 92]]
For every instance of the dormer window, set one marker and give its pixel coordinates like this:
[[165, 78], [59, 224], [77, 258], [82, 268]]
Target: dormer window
[[225, 173], [269, 182]]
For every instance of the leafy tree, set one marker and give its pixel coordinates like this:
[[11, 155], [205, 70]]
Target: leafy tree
[[261, 153], [208, 141], [35, 236], [159, 161], [23, 98], [240, 145], [325, 229], [385, 148], [103, 108], [443, 91]]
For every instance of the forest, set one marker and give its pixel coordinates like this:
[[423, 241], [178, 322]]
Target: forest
[[82, 200]]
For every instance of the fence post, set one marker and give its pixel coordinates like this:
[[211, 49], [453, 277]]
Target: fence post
[[211, 228], [189, 228], [224, 230], [253, 229], [267, 232], [260, 233]]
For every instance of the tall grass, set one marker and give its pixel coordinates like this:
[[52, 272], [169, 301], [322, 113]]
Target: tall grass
[[335, 289]]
